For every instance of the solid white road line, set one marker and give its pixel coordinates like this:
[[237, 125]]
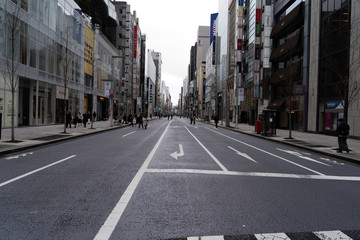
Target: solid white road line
[[108, 227], [255, 174], [208, 152], [35, 171], [332, 235], [271, 154], [128, 134], [272, 236]]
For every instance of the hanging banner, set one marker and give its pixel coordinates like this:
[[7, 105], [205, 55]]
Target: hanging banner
[[107, 88], [258, 15], [241, 95], [135, 41]]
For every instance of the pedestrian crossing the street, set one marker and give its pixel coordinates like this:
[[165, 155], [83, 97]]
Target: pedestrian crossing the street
[[317, 235]]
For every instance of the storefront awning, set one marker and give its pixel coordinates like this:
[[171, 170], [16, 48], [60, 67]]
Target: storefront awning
[[287, 49], [289, 23], [276, 104]]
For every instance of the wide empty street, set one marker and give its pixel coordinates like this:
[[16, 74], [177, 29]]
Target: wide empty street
[[176, 180]]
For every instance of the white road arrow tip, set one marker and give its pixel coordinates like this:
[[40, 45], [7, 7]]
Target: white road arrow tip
[[176, 154], [243, 154]]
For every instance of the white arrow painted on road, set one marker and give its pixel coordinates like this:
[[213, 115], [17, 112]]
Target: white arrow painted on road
[[301, 156], [332, 161], [242, 154], [176, 154], [17, 156]]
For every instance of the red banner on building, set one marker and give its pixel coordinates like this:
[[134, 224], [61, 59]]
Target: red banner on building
[[135, 41], [239, 44], [258, 15]]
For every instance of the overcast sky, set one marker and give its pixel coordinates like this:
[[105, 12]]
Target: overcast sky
[[171, 29]]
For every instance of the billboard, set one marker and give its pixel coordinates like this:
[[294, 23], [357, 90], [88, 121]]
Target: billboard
[[213, 26]]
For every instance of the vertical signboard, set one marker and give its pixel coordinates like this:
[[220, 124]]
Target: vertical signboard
[[135, 41], [89, 50], [213, 26], [204, 89]]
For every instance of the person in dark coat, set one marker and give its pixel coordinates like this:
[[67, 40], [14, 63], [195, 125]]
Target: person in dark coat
[[85, 119], [130, 120], [94, 116], [343, 131], [68, 118], [141, 120], [216, 120]]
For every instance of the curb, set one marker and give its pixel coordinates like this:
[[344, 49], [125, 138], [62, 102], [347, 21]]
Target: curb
[[38, 145], [292, 144]]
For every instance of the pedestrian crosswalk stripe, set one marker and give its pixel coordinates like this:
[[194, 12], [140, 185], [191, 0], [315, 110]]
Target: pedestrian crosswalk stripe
[[319, 235], [332, 235], [207, 238], [272, 236]]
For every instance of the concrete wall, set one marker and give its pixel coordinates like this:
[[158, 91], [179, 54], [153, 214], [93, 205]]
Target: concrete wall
[[314, 65], [354, 81]]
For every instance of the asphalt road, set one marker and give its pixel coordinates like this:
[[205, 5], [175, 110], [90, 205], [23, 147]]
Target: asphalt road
[[174, 180]]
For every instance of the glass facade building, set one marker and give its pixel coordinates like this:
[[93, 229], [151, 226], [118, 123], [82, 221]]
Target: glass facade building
[[44, 30], [334, 59]]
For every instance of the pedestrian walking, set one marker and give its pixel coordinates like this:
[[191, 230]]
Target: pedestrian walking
[[75, 120], [146, 123], [141, 120], [85, 119], [343, 131], [130, 120], [216, 119], [94, 116], [80, 119], [68, 118]]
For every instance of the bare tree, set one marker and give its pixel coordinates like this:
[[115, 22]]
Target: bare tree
[[346, 84], [10, 74], [65, 65]]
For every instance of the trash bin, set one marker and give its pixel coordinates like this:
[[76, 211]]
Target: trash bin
[[258, 126]]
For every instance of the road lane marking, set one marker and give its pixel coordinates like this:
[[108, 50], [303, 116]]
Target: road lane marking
[[20, 155], [301, 156], [208, 152], [256, 174], [35, 171], [332, 235], [332, 161], [176, 154], [128, 134], [242, 154], [271, 154], [110, 223]]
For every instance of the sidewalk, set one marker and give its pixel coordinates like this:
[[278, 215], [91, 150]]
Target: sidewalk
[[42, 135], [319, 143], [35, 136]]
